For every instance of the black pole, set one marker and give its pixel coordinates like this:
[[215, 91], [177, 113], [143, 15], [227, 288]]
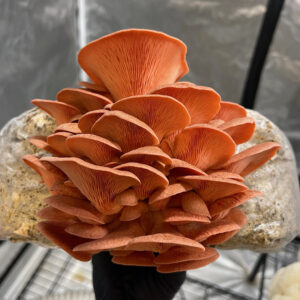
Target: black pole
[[262, 280], [258, 264], [262, 46]]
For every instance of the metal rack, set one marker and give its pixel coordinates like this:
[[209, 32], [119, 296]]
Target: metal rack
[[56, 273]]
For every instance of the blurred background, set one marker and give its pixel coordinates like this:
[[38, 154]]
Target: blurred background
[[40, 40]]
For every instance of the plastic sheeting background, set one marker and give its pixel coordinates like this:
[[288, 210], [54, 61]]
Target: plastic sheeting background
[[37, 52], [40, 41]]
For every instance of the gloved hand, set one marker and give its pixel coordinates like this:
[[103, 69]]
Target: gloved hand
[[112, 281]]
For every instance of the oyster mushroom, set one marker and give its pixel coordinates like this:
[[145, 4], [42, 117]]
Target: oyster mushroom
[[142, 163]]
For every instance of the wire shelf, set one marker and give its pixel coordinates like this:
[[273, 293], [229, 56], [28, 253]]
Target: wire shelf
[[58, 273]]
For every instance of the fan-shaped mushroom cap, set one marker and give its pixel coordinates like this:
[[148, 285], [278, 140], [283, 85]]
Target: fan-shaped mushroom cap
[[67, 242], [159, 226], [60, 188], [192, 203], [186, 265], [82, 99], [98, 149], [250, 159], [127, 198], [182, 168], [177, 216], [240, 129], [87, 231], [228, 175], [61, 112], [158, 242], [147, 155], [160, 167], [162, 114], [57, 141], [169, 191], [150, 178], [229, 111], [203, 146], [178, 254], [97, 183], [127, 131], [210, 188], [41, 143], [137, 258], [68, 127], [100, 87], [235, 215], [130, 213], [80, 208], [134, 61], [234, 220], [219, 238], [52, 214], [226, 203], [117, 238], [47, 171], [87, 121], [202, 102]]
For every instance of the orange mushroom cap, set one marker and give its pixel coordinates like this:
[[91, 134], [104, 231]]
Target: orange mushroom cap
[[202, 102], [95, 182], [66, 241], [163, 114], [147, 155], [203, 146], [99, 150], [41, 143], [127, 131], [100, 87], [150, 178], [210, 188], [240, 129], [61, 112], [250, 159], [87, 121], [229, 110], [82, 100], [134, 61]]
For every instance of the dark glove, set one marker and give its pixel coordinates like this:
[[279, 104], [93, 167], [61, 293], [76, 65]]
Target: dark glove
[[112, 281]]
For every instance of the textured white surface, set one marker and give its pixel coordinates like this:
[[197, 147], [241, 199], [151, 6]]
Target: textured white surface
[[273, 219]]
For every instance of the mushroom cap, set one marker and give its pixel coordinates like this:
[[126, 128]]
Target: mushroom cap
[[134, 61], [81, 99], [202, 102], [203, 146], [162, 114], [97, 183]]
